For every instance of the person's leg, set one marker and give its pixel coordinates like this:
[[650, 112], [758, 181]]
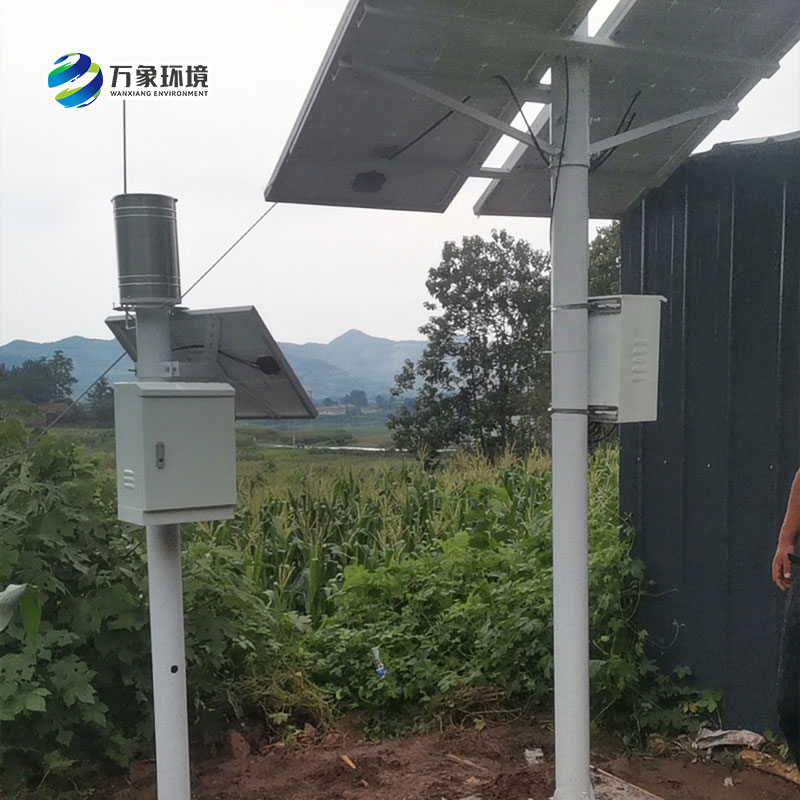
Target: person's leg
[[789, 675]]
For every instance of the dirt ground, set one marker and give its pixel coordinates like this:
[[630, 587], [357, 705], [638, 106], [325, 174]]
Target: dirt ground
[[454, 764]]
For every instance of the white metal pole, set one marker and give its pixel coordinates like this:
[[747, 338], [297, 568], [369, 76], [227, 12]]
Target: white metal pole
[[166, 595], [570, 375]]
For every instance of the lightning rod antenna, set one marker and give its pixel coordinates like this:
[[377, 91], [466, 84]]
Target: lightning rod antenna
[[124, 152]]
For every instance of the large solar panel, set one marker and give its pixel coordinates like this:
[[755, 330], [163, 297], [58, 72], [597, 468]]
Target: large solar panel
[[350, 145], [230, 345], [347, 147], [738, 30]]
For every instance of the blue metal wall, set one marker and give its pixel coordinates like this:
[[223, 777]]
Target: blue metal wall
[[706, 485]]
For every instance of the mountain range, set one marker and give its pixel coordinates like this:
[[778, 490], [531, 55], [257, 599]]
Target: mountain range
[[353, 360]]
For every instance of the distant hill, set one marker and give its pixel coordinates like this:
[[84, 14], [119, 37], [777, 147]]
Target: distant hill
[[89, 357], [353, 360]]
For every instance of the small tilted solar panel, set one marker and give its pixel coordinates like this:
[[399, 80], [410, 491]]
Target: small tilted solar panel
[[362, 140], [231, 345]]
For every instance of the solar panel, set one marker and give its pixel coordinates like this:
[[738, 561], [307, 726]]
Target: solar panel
[[231, 345], [354, 141], [357, 140], [744, 39]]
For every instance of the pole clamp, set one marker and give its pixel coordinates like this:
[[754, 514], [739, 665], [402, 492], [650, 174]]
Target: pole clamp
[[158, 370], [556, 165]]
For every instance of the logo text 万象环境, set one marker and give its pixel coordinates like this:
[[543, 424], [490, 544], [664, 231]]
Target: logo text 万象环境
[[165, 80]]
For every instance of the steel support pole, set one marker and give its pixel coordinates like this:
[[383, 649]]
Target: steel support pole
[[165, 587], [570, 376]]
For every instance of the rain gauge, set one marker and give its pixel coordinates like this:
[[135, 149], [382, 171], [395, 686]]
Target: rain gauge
[[196, 372]]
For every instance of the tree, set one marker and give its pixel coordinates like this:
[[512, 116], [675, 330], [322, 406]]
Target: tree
[[100, 400], [60, 368], [604, 261], [484, 376], [484, 373], [39, 381], [357, 397], [33, 381]]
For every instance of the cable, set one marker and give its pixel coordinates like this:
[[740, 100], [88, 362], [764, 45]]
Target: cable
[[230, 248], [563, 140], [425, 132], [511, 91], [221, 352], [253, 364], [561, 151], [232, 357], [601, 158], [600, 431]]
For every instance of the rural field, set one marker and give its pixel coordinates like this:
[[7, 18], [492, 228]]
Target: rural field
[[364, 627]]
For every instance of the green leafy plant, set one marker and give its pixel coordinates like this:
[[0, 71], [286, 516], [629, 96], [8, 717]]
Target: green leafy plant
[[75, 695], [73, 690]]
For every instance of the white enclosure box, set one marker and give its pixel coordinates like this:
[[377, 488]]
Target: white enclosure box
[[176, 452], [623, 357]]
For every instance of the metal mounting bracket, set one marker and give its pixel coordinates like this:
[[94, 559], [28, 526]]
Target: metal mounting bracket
[[724, 107], [608, 414], [157, 369], [448, 102], [604, 305]]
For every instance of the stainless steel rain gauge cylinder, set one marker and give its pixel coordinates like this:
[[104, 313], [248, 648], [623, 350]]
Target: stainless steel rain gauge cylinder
[[147, 250]]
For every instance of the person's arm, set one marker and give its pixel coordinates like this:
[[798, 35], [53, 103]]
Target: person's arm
[[781, 566]]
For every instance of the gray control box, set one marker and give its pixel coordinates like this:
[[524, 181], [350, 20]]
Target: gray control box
[[176, 452], [624, 336]]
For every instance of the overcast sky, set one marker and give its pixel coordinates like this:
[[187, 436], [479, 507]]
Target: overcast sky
[[312, 272]]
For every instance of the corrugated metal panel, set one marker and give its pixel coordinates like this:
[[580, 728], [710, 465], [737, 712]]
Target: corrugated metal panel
[[706, 485]]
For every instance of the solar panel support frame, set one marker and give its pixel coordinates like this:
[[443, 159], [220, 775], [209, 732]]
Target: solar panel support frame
[[449, 102], [723, 110]]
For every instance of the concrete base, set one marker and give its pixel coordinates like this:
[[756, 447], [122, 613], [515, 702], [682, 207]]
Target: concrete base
[[609, 787]]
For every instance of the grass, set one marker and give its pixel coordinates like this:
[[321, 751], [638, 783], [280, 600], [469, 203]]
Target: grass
[[306, 516]]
